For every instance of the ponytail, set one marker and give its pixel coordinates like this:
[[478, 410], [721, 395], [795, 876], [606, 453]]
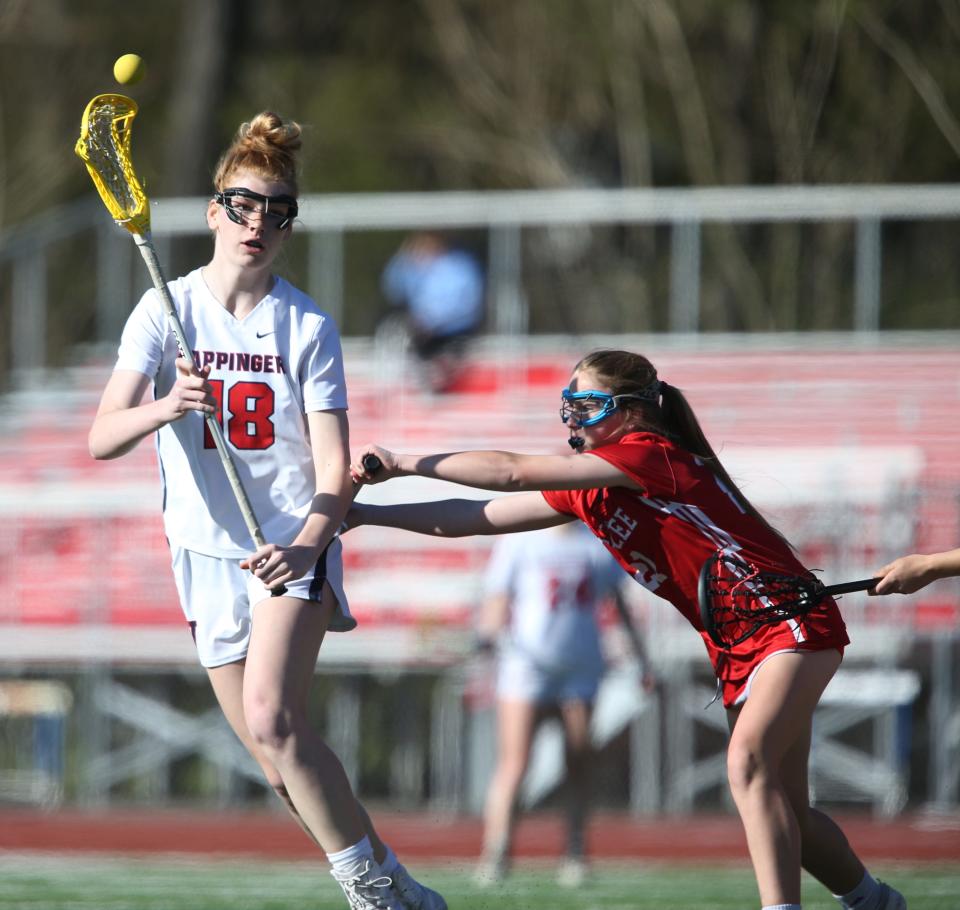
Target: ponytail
[[668, 414], [681, 424]]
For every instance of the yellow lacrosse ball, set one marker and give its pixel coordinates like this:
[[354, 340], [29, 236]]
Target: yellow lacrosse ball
[[129, 69]]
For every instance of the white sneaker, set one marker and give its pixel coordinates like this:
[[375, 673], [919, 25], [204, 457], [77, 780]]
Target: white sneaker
[[891, 899], [572, 873], [367, 888], [413, 895], [490, 872]]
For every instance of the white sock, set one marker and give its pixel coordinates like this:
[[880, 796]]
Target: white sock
[[782, 907], [390, 861], [346, 860], [861, 898]]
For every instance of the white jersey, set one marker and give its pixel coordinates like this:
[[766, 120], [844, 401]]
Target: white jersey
[[267, 371], [555, 579]]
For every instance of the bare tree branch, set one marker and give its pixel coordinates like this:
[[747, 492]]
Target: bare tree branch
[[471, 64], [951, 15], [197, 90], [820, 66], [697, 150], [912, 67], [626, 46]]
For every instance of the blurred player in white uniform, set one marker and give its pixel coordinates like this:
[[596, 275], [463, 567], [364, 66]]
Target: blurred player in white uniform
[[269, 365], [543, 590]]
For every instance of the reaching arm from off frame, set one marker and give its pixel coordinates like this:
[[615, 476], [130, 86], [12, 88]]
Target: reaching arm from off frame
[[461, 517], [911, 573]]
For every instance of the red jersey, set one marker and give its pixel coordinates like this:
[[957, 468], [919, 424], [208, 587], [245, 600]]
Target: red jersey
[[663, 533]]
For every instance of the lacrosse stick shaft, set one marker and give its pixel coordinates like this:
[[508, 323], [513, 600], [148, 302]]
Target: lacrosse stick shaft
[[371, 463], [848, 587], [149, 253]]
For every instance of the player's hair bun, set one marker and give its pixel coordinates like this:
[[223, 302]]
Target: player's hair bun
[[267, 145], [269, 131]]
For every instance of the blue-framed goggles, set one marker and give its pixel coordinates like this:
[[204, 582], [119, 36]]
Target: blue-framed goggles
[[588, 407], [240, 204]]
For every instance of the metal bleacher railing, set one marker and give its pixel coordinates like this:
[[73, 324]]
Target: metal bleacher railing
[[328, 218]]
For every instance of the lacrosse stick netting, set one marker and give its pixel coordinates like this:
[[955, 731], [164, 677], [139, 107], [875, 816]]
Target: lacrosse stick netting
[[104, 146]]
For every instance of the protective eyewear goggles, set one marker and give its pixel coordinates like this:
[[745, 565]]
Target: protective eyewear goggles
[[240, 204], [590, 406], [587, 408]]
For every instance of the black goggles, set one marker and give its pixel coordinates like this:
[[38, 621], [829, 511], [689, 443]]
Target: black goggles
[[240, 204]]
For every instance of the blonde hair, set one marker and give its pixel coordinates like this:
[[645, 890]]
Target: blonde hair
[[266, 146]]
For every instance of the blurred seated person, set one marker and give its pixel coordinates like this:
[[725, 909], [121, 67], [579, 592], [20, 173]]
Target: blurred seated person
[[441, 292]]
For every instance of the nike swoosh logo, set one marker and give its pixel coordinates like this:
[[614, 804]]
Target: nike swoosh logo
[[263, 334]]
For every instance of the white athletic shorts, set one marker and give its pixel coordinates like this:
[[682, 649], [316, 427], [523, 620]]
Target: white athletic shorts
[[520, 678], [218, 597]]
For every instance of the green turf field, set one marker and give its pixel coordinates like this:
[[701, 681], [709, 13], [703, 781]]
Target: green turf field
[[34, 882]]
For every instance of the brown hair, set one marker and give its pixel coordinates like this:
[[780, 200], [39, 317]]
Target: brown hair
[[267, 146], [667, 414]]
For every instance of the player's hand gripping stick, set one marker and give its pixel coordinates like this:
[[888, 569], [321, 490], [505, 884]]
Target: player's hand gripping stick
[[371, 464]]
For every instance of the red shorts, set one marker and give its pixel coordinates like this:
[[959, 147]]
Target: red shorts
[[820, 630]]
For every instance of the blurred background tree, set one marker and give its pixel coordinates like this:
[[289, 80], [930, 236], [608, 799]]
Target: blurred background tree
[[494, 94]]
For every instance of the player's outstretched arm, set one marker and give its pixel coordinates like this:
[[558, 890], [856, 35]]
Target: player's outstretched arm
[[460, 517], [507, 472], [911, 573]]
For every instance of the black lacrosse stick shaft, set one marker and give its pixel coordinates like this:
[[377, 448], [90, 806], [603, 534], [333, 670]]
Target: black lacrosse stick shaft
[[848, 587]]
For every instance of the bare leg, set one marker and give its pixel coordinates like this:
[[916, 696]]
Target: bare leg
[[272, 722], [775, 720], [516, 722], [227, 683], [828, 856], [578, 751], [825, 852], [379, 847], [281, 662]]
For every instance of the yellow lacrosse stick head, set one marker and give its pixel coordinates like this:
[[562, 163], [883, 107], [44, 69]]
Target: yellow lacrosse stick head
[[104, 146]]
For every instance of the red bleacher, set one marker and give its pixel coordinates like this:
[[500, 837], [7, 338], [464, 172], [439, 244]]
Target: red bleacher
[[84, 541]]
